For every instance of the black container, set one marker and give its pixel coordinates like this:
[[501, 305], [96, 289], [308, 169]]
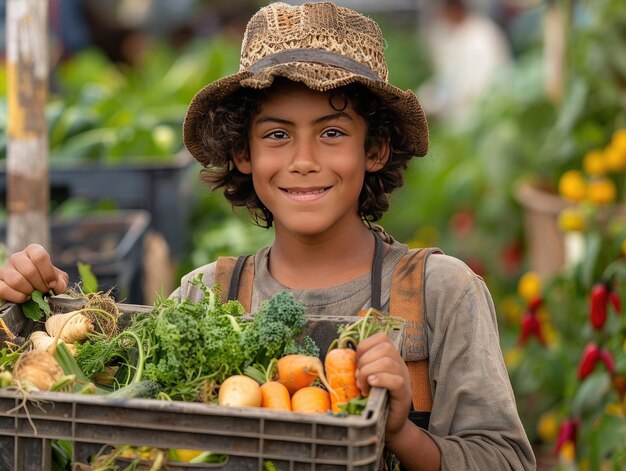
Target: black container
[[163, 189], [111, 243]]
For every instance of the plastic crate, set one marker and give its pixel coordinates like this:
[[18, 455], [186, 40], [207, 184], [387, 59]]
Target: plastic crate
[[161, 188], [111, 243], [249, 436]]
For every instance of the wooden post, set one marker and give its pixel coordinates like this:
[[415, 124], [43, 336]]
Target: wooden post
[[555, 43], [28, 192]]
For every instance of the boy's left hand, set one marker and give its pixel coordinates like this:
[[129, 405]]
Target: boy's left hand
[[379, 364]]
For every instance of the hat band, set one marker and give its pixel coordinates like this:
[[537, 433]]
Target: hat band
[[320, 56]]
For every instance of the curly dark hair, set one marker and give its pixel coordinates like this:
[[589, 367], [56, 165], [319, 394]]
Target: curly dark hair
[[224, 126]]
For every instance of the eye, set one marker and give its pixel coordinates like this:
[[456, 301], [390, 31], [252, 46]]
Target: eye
[[276, 135], [333, 133]]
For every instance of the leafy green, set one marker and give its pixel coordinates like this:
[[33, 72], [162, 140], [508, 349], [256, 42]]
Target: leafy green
[[275, 329], [188, 348], [36, 306], [196, 341], [354, 406]]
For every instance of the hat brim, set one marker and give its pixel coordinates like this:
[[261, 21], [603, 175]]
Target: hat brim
[[315, 76]]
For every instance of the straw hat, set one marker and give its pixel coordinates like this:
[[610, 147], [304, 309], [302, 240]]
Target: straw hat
[[321, 45]]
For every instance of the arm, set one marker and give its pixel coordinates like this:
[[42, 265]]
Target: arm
[[29, 270], [474, 422], [474, 419]]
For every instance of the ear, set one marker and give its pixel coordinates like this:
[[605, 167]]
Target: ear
[[242, 162], [378, 155]]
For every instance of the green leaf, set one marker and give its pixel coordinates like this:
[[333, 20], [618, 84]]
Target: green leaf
[[90, 283], [36, 306], [591, 393], [355, 406], [61, 455], [8, 356], [593, 244], [209, 457]]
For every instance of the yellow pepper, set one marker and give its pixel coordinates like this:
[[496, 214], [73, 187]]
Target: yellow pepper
[[601, 191], [571, 220], [593, 163], [548, 426], [567, 454], [615, 157], [529, 286], [572, 186]]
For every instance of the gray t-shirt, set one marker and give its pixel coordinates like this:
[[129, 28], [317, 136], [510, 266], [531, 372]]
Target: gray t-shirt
[[474, 419]]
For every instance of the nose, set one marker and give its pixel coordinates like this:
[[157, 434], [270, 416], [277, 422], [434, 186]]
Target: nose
[[304, 158]]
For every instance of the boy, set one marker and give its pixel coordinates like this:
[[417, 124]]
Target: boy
[[311, 138]]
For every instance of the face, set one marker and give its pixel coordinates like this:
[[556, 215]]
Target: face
[[308, 160]]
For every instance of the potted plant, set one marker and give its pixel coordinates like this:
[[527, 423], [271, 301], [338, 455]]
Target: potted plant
[[592, 108]]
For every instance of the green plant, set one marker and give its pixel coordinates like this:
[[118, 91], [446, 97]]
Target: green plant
[[104, 112], [569, 362]]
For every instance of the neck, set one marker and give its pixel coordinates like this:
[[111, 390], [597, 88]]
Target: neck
[[322, 262]]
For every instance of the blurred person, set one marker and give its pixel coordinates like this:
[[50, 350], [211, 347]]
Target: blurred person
[[467, 50]]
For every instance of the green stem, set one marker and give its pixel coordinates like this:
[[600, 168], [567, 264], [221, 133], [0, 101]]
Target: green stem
[[141, 360]]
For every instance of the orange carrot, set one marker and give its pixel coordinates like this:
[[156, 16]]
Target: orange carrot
[[311, 399], [297, 371], [340, 361], [275, 396], [340, 366]]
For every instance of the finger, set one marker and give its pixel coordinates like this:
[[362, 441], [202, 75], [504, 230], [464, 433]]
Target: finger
[[386, 380], [60, 284], [382, 365], [378, 351], [14, 280], [362, 384], [42, 261], [12, 295], [372, 341], [25, 268]]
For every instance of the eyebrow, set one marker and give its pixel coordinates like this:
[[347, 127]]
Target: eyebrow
[[323, 119]]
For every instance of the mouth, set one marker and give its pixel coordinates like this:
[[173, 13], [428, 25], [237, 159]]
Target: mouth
[[306, 194]]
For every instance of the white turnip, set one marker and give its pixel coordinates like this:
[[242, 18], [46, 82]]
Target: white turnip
[[240, 391]]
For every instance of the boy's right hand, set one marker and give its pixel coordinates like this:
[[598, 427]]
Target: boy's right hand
[[29, 270]]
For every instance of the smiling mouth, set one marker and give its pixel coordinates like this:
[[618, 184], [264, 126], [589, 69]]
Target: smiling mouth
[[305, 194]]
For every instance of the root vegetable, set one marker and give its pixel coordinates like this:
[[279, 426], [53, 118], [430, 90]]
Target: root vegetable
[[42, 341], [5, 379], [70, 327], [240, 391], [275, 396], [311, 400], [340, 366], [37, 368], [297, 371]]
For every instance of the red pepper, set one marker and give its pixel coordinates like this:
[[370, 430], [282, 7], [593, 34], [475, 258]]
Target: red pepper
[[607, 359], [590, 357], [530, 327], [567, 432], [599, 300], [535, 304]]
